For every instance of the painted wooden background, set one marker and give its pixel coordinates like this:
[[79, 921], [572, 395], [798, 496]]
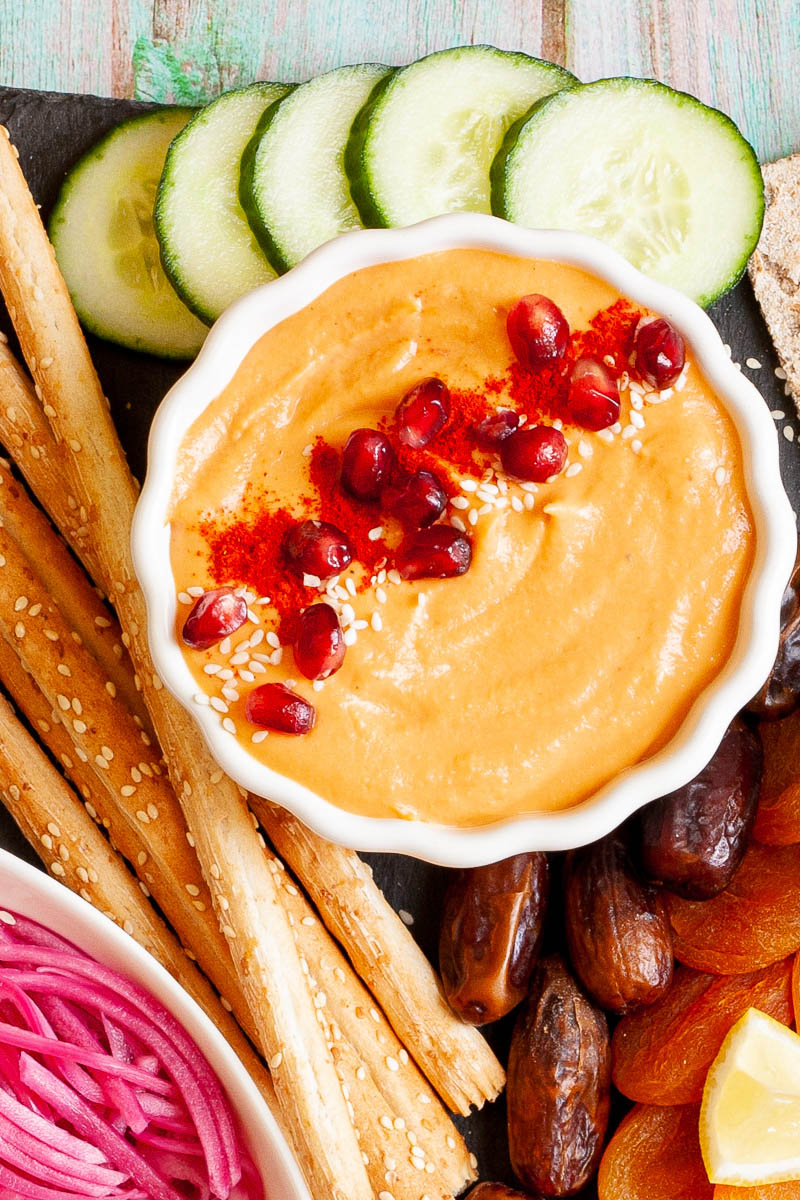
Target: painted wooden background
[[741, 55]]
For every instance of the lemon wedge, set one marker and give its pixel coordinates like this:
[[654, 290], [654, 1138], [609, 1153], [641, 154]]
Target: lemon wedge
[[750, 1115]]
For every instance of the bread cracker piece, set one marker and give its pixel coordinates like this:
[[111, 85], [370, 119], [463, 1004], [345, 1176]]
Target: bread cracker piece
[[775, 266]]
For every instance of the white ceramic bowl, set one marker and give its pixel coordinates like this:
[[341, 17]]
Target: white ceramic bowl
[[31, 893], [694, 744]]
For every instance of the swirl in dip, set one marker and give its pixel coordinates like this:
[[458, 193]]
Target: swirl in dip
[[597, 606]]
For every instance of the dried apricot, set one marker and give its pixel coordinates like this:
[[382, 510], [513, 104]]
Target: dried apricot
[[655, 1155], [754, 922], [661, 1055], [763, 1191], [778, 816]]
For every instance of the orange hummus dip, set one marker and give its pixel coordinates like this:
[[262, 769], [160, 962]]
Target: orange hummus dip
[[597, 608]]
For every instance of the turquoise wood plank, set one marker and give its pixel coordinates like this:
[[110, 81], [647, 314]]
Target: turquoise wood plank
[[742, 56]]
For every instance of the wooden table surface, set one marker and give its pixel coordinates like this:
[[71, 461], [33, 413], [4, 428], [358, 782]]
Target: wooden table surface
[[740, 55]]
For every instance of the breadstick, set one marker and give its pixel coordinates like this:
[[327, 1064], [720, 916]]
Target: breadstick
[[28, 438], [54, 821], [454, 1056], [430, 1133], [148, 845], [89, 618]]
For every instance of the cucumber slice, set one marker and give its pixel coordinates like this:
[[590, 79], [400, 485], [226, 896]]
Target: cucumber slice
[[207, 247], [669, 183], [293, 183], [425, 141], [102, 232]]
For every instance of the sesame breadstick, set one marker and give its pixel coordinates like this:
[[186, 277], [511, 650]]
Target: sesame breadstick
[[454, 1056], [54, 821], [58, 571], [401, 1086], [45, 465], [148, 846], [245, 896]]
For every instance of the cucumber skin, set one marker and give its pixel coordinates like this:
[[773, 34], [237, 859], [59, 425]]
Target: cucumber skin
[[371, 214], [246, 194], [164, 184], [499, 169], [96, 328]]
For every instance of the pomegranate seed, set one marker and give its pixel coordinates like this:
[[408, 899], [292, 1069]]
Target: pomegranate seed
[[214, 615], [435, 553], [416, 499], [318, 548], [275, 706], [535, 453], [593, 401], [366, 463], [319, 646], [660, 353], [538, 331], [496, 428], [423, 412]]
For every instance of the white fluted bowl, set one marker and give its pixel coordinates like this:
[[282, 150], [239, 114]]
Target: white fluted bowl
[[701, 732]]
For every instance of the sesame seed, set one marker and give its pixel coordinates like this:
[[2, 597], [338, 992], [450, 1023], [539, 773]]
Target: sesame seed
[[200, 698], [225, 674], [218, 705], [460, 501], [350, 585], [394, 576], [376, 622], [778, 414], [211, 668], [195, 591], [788, 433], [273, 640], [468, 485], [405, 917], [348, 614], [183, 598], [458, 524], [636, 446], [275, 1061], [225, 646], [558, 423], [574, 469], [473, 516], [753, 364], [636, 419], [80, 727], [228, 725], [312, 581], [57, 869], [585, 448], [375, 533], [628, 432], [192, 889], [19, 630], [720, 476], [528, 501]]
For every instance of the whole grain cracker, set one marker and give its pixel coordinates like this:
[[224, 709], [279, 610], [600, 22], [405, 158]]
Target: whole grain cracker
[[775, 266]]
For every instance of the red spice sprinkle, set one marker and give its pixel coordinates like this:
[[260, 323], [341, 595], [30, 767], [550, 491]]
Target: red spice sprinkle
[[250, 550]]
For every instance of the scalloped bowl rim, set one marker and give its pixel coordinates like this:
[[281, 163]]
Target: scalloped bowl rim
[[28, 891], [691, 747]]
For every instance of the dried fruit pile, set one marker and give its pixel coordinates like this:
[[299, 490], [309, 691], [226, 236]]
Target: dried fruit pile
[[710, 876]]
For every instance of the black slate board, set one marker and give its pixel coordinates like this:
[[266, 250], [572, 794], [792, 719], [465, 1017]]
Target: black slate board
[[51, 131]]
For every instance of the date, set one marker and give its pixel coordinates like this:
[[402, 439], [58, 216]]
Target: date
[[780, 694], [558, 1090], [694, 839], [490, 936], [496, 1191], [618, 934]]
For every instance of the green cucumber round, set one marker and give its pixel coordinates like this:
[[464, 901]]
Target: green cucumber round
[[208, 249], [293, 185], [424, 142], [667, 181], [105, 243]]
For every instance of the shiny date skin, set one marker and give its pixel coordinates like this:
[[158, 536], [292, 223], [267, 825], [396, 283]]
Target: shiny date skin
[[694, 839], [496, 1191], [491, 934], [559, 1076], [780, 694], [618, 934]]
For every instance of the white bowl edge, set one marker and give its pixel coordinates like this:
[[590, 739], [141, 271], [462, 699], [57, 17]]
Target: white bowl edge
[[694, 744], [30, 892]]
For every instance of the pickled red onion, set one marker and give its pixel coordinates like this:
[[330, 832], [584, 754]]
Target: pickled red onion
[[103, 1094]]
